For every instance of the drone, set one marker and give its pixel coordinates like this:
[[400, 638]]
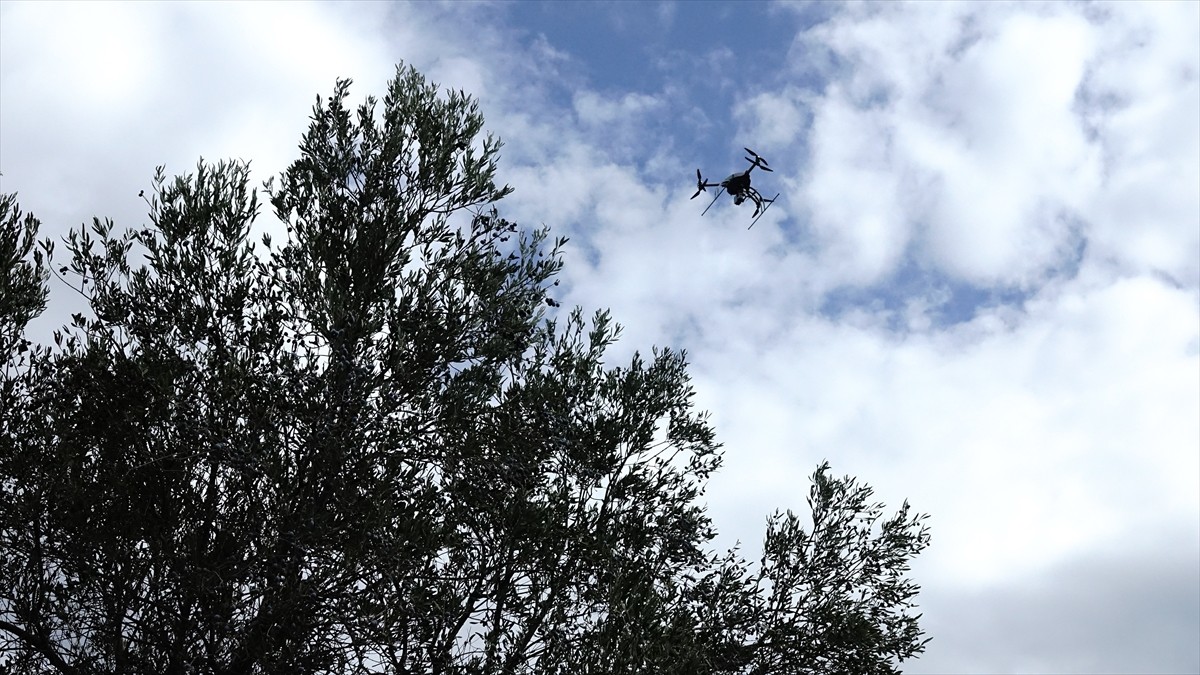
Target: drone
[[738, 185]]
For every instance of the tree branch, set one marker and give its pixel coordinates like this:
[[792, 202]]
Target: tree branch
[[41, 645]]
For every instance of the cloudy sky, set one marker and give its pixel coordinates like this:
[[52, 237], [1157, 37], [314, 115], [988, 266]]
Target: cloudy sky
[[979, 289]]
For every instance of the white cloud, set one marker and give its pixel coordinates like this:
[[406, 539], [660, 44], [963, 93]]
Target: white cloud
[[1145, 106], [1061, 620], [1076, 426], [596, 110], [1013, 162], [120, 88], [993, 140], [772, 119], [858, 213], [616, 123], [120, 67]]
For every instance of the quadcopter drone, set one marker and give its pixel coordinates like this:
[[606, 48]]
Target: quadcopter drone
[[738, 185]]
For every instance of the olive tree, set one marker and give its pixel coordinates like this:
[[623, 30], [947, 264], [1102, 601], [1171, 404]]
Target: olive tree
[[367, 448]]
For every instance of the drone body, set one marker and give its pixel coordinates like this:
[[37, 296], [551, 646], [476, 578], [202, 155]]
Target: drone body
[[738, 185]]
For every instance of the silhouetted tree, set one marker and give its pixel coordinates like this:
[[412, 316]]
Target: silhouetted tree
[[368, 450]]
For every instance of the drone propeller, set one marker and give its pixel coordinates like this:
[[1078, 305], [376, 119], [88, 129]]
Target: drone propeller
[[700, 187], [757, 160]]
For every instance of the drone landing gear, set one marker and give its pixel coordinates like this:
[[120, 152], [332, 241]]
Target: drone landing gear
[[714, 201], [760, 213]]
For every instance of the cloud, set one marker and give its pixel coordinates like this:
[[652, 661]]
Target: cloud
[[997, 144], [1130, 609], [1027, 437], [120, 88], [854, 195], [616, 121], [1010, 169], [1143, 102], [772, 118]]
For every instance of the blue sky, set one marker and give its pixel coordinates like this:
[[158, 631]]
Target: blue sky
[[979, 289]]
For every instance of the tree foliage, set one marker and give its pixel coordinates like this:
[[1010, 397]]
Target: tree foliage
[[367, 448]]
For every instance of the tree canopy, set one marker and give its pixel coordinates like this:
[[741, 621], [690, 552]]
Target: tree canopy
[[369, 448]]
